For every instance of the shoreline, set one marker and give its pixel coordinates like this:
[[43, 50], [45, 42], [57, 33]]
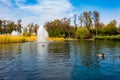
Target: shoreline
[[4, 39]]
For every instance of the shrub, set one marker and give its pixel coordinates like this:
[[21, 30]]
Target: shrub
[[81, 33]]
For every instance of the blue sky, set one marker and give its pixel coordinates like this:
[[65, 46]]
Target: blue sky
[[41, 11], [98, 3]]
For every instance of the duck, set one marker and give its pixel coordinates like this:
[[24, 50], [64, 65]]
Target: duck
[[100, 55], [43, 45]]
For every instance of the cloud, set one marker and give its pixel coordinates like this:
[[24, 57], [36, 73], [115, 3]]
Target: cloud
[[48, 9], [6, 2], [40, 12]]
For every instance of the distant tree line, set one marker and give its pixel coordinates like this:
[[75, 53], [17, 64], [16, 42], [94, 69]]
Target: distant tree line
[[84, 25], [7, 26], [31, 29], [89, 20]]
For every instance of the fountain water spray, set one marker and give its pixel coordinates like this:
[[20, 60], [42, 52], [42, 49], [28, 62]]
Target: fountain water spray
[[15, 33], [42, 34]]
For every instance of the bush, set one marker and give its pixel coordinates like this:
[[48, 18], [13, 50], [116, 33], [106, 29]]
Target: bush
[[110, 29], [81, 33]]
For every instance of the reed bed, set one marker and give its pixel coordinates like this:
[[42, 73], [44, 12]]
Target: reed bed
[[16, 39], [55, 39], [19, 39]]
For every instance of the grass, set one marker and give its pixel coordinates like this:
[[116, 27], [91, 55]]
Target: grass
[[16, 39], [114, 37]]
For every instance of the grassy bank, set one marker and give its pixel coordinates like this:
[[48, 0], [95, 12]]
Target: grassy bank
[[16, 39], [115, 37]]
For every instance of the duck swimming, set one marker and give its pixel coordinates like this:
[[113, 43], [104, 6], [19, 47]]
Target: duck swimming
[[43, 45], [100, 54]]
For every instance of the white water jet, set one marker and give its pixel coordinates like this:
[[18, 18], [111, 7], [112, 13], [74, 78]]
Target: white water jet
[[15, 33], [42, 34]]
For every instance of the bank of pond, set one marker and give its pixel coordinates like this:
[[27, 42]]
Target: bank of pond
[[19, 39], [113, 37]]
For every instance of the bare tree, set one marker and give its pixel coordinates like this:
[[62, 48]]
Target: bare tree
[[96, 18], [87, 19], [19, 25], [81, 19]]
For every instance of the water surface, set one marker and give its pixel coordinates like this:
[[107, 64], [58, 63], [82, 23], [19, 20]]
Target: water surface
[[65, 60]]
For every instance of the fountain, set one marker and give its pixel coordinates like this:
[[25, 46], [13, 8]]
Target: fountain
[[42, 34], [15, 33]]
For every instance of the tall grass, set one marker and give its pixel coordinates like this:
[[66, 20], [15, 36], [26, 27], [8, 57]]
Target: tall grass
[[16, 39], [55, 39]]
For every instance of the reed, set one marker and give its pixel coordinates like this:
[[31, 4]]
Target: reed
[[19, 39], [55, 39], [31, 38], [16, 39]]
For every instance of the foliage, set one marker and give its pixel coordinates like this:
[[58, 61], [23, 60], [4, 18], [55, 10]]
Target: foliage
[[96, 19], [87, 19], [59, 28], [81, 33], [109, 29], [118, 30]]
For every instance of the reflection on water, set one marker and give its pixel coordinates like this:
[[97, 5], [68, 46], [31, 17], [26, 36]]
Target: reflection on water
[[42, 51], [66, 60]]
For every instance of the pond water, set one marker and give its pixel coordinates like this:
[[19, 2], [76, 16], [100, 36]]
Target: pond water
[[65, 60]]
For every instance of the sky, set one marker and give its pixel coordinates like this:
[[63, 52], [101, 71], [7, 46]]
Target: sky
[[41, 11]]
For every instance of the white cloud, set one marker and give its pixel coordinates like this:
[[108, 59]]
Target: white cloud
[[6, 2], [5, 12], [47, 10], [43, 11]]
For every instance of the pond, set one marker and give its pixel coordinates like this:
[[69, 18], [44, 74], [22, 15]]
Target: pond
[[64, 60]]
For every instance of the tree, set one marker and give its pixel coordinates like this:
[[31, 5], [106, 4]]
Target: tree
[[4, 25], [96, 18], [60, 27], [87, 19], [75, 21], [0, 23], [19, 25], [81, 19], [36, 28], [11, 27], [69, 20], [0, 26], [110, 28], [31, 28]]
